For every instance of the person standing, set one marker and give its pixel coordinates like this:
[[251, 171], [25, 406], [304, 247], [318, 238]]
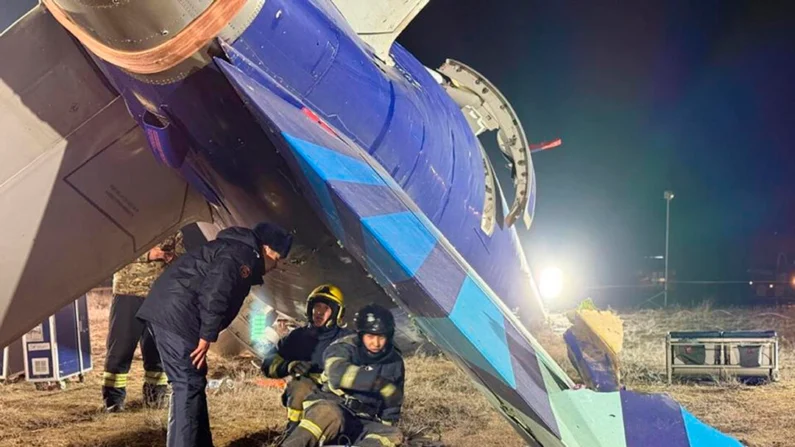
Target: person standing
[[131, 284], [192, 302]]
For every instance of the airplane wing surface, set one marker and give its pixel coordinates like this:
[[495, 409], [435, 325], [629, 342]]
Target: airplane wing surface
[[381, 22], [80, 192], [384, 230]]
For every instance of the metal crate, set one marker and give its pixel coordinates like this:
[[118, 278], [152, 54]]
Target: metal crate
[[59, 347], [722, 354]]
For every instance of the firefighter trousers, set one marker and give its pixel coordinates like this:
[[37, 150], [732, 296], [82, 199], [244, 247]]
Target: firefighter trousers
[[327, 421], [124, 334], [188, 418], [296, 392]]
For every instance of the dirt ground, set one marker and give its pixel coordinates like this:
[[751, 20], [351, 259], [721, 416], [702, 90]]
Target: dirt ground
[[441, 404]]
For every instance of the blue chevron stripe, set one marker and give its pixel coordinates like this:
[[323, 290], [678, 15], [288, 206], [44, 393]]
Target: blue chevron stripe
[[368, 200], [332, 165], [350, 163], [484, 326], [403, 236], [403, 240], [702, 435], [324, 197]]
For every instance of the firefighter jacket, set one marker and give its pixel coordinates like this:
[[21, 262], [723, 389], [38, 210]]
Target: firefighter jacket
[[136, 278], [305, 343], [369, 385]]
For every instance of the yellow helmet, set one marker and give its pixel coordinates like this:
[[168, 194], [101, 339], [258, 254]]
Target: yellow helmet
[[331, 295]]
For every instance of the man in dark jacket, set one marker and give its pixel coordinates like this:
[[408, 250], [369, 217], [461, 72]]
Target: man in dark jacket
[[300, 353], [363, 396], [196, 298]]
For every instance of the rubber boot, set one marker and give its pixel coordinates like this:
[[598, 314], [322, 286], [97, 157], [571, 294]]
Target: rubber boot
[[289, 428], [299, 437], [155, 396], [113, 399]]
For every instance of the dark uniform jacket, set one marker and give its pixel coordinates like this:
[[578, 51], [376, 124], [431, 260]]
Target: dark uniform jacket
[[202, 291], [357, 377], [305, 343]]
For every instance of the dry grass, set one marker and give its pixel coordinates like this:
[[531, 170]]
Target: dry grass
[[440, 404], [759, 416], [440, 401]]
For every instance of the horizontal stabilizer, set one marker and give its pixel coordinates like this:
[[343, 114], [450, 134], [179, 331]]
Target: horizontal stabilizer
[[380, 22], [80, 191]]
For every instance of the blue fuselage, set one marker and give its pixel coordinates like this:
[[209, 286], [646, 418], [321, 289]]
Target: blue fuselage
[[399, 113]]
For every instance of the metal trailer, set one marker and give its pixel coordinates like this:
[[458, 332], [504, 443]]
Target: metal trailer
[[722, 354]]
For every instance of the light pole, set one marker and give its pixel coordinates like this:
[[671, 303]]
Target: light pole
[[668, 195]]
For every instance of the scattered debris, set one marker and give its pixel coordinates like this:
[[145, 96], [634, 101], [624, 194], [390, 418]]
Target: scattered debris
[[264, 382], [221, 385]]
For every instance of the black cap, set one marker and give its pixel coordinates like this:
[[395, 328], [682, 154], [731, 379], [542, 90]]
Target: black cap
[[274, 237]]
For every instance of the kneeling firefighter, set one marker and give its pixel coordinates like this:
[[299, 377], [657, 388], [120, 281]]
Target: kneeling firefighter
[[300, 353], [362, 398]]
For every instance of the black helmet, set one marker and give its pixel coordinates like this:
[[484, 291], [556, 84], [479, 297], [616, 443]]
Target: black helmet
[[374, 319]]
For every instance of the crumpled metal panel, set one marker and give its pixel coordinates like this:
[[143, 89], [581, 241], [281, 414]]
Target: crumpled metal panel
[[133, 25], [144, 24]]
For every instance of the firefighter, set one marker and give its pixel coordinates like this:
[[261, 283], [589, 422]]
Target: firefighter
[[363, 395], [194, 300], [300, 353], [131, 284]]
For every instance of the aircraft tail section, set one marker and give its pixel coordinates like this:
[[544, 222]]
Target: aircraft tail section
[[630, 419], [80, 192], [376, 221]]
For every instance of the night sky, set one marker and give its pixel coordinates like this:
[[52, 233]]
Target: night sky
[[696, 97]]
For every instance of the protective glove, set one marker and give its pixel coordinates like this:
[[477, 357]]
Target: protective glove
[[299, 367]]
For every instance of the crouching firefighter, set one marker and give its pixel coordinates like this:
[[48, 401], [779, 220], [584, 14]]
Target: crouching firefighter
[[300, 353], [362, 398]]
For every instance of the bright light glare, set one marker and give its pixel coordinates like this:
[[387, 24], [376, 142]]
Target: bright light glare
[[550, 283]]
